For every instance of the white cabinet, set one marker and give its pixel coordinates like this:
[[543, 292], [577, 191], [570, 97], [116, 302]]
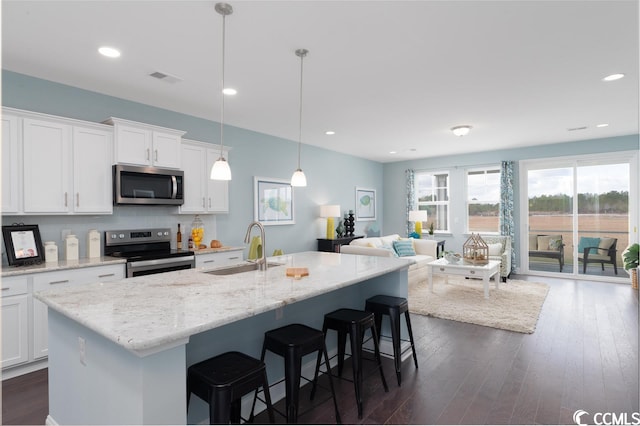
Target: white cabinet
[[201, 194], [11, 166], [57, 165], [15, 321], [60, 279], [216, 260], [47, 168], [146, 145]]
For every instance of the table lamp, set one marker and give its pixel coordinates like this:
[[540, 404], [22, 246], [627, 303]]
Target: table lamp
[[418, 216], [330, 212]]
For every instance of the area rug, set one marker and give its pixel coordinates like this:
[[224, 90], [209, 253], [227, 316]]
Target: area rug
[[515, 306]]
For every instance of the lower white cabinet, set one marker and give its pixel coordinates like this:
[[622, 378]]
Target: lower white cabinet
[[24, 318], [216, 260], [15, 321], [61, 279]]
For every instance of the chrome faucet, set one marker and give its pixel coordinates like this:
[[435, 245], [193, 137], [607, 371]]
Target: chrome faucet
[[262, 262]]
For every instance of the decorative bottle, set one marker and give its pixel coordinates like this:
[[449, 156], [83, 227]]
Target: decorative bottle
[[50, 252], [93, 243], [71, 247], [179, 239]]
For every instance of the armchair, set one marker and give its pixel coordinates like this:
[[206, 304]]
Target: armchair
[[597, 250], [500, 249]]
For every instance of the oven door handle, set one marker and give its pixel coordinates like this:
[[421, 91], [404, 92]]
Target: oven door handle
[[174, 189], [159, 262]]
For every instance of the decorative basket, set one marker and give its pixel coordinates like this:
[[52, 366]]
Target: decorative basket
[[475, 251], [634, 278]]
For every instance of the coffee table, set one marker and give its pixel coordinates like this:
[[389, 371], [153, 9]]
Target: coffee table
[[443, 267]]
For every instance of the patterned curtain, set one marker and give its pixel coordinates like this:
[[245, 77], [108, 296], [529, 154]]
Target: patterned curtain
[[411, 198], [506, 206]]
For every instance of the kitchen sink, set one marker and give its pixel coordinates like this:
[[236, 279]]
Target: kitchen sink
[[236, 269]]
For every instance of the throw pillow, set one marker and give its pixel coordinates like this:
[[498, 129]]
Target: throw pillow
[[389, 248], [555, 244], [495, 249], [605, 244], [404, 248], [588, 242], [533, 242]]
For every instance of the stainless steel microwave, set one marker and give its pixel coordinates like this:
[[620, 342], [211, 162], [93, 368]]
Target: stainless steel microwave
[[147, 185]]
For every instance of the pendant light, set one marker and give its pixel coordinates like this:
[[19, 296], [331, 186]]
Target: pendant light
[[298, 178], [220, 169]]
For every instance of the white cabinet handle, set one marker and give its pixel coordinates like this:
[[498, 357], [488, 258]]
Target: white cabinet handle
[[209, 202], [6, 288], [472, 272], [203, 202], [58, 282], [234, 258], [441, 269], [209, 261], [105, 275], [77, 199], [148, 154], [66, 194], [156, 155]]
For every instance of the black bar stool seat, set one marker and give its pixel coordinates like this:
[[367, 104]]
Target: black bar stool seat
[[221, 381], [354, 323], [392, 306], [292, 342]]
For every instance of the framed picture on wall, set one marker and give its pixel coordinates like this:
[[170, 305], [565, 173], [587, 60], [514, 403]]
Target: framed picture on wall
[[23, 244], [273, 201], [365, 204]]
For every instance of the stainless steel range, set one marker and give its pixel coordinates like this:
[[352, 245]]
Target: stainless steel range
[[148, 251]]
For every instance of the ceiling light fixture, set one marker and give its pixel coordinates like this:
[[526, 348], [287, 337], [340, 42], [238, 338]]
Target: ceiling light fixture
[[109, 52], [461, 130], [330, 132], [602, 125], [221, 169], [229, 91], [613, 77], [298, 178]]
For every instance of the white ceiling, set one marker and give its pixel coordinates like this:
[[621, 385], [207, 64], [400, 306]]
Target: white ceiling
[[384, 75]]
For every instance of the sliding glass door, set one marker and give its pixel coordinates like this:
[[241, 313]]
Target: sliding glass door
[[577, 218]]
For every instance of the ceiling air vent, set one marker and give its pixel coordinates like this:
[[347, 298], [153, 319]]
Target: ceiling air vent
[[165, 77]]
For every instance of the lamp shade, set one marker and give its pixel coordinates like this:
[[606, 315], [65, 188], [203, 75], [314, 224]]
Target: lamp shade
[[332, 210], [221, 170], [418, 216]]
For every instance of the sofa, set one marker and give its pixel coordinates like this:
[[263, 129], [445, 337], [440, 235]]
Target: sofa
[[547, 246], [425, 252], [500, 249]]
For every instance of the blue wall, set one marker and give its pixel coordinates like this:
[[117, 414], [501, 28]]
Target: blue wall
[[394, 178], [332, 177]]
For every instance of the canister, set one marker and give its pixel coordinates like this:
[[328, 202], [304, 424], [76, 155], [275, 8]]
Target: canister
[[71, 247], [93, 243], [50, 252]]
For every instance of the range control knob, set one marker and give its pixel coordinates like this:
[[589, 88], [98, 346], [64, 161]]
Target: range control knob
[[166, 233], [121, 236], [114, 236], [159, 234]]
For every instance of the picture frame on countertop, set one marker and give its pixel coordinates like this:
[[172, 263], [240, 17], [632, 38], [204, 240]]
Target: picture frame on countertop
[[365, 204], [23, 244], [273, 201]]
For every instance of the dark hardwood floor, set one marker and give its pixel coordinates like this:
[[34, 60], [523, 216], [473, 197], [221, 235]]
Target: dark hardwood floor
[[583, 355]]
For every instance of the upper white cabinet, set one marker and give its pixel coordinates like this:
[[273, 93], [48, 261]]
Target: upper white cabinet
[[62, 166], [201, 194], [146, 145], [11, 165]]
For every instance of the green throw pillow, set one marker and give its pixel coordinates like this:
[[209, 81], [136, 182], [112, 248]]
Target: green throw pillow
[[588, 242], [404, 248]]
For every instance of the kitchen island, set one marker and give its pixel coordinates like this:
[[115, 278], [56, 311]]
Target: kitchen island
[[119, 351]]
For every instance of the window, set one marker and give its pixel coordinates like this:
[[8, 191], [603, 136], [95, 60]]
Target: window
[[483, 200], [432, 191]]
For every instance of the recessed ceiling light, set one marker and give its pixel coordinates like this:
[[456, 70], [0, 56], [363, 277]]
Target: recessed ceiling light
[[109, 52], [613, 77], [393, 152], [461, 130], [229, 91], [329, 132], [602, 125]]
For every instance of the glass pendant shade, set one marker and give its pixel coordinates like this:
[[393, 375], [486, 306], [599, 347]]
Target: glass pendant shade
[[221, 170], [298, 178]]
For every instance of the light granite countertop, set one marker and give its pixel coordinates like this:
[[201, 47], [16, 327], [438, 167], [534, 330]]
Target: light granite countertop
[[10, 271], [217, 250], [148, 313]]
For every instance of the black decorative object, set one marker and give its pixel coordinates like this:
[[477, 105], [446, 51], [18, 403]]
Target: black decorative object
[[349, 224], [23, 244]]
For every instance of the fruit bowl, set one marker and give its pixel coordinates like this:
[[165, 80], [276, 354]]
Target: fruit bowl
[[452, 257]]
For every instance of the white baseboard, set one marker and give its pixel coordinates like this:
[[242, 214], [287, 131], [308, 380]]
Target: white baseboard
[[19, 370], [50, 421]]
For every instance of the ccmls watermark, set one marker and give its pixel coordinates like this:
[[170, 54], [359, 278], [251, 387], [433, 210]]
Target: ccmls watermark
[[581, 417]]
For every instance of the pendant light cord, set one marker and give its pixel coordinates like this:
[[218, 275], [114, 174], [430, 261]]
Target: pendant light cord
[[302, 55], [224, 19]]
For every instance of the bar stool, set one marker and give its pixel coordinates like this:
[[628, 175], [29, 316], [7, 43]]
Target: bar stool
[[221, 381], [354, 323], [393, 306], [292, 342]]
